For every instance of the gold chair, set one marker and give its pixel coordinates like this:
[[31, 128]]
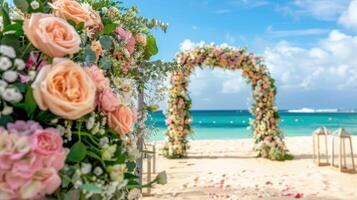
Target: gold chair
[[316, 150], [342, 135]]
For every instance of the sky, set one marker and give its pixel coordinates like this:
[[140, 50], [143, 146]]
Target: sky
[[309, 46]]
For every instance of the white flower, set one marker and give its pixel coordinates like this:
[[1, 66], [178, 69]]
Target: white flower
[[3, 85], [134, 194], [7, 110], [104, 141], [12, 95], [35, 5], [10, 76], [98, 171], [5, 63], [86, 168], [7, 51], [32, 75], [108, 152], [117, 172], [20, 64], [104, 10], [90, 122]]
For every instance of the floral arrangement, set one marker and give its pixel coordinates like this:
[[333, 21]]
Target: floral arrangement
[[268, 138], [69, 73]]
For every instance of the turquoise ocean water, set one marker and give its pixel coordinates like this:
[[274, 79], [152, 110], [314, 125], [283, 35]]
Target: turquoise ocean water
[[233, 124]]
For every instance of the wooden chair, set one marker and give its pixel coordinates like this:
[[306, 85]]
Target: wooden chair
[[342, 135], [323, 131]]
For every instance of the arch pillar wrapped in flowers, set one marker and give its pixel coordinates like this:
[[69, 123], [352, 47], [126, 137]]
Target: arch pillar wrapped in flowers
[[268, 138]]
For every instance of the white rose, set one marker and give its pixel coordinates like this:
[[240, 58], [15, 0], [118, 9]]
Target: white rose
[[5, 63], [7, 51], [10, 76], [20, 64]]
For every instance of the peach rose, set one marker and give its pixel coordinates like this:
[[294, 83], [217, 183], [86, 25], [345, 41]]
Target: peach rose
[[97, 77], [121, 119], [52, 35], [97, 48], [70, 10], [65, 89]]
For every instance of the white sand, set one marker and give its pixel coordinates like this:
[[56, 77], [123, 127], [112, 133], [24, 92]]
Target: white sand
[[227, 169]]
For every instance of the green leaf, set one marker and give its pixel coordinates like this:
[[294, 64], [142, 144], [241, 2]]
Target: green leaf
[[79, 26], [45, 117], [16, 28], [77, 153], [151, 47], [105, 63], [130, 176], [91, 188], [109, 28], [4, 11], [30, 103], [11, 40], [5, 120], [89, 56], [106, 42], [23, 5], [131, 166]]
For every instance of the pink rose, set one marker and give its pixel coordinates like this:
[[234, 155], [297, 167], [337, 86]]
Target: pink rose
[[7, 148], [47, 142], [52, 35], [44, 182], [108, 102], [65, 89], [128, 38], [23, 128], [121, 120], [97, 77]]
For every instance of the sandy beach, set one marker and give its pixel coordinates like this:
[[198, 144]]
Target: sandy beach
[[227, 169]]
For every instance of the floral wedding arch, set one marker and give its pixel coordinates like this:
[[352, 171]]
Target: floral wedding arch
[[269, 140]]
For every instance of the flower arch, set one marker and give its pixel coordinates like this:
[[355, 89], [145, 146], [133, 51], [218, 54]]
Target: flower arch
[[268, 139]]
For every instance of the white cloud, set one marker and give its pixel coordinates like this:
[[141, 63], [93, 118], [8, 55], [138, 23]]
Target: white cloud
[[329, 65], [187, 44], [349, 16], [321, 9], [298, 32]]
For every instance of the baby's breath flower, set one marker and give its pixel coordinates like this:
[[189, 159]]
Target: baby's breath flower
[[35, 5]]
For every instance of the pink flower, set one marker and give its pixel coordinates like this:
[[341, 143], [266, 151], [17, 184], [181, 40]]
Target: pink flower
[[121, 120], [23, 128], [24, 78], [47, 142], [97, 77], [108, 102], [44, 182], [128, 38]]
